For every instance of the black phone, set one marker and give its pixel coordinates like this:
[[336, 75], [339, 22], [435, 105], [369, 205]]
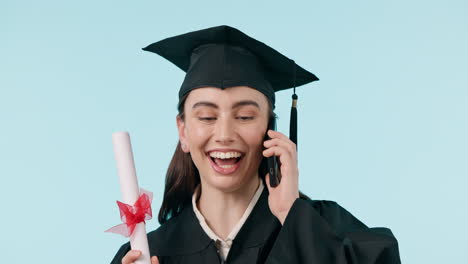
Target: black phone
[[273, 165]]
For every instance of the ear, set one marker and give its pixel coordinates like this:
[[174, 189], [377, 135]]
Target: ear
[[182, 134]]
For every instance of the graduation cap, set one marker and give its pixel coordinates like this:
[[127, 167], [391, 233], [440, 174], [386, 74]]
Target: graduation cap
[[225, 57]]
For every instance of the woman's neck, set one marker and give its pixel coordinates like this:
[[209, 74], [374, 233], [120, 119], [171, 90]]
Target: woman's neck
[[223, 210]]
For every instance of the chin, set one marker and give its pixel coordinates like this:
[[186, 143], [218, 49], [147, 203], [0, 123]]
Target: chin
[[227, 183]]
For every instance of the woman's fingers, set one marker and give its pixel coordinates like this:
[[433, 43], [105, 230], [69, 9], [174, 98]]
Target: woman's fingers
[[287, 144], [286, 157], [279, 138], [276, 134], [276, 151], [131, 256], [154, 260]]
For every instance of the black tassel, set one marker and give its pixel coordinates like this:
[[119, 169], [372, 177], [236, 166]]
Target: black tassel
[[293, 120]]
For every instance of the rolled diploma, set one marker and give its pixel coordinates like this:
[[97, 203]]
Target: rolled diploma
[[130, 190]]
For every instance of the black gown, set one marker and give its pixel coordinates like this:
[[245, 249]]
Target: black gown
[[314, 232]]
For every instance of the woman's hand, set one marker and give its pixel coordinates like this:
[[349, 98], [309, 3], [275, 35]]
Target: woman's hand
[[282, 197], [133, 255]]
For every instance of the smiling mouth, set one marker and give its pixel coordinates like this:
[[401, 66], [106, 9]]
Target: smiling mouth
[[225, 162]]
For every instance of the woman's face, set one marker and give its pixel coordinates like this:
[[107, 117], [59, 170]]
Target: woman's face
[[224, 131]]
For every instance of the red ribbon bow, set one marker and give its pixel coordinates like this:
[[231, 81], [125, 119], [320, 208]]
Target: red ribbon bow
[[133, 215]]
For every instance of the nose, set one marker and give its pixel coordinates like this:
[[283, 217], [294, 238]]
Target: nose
[[224, 131]]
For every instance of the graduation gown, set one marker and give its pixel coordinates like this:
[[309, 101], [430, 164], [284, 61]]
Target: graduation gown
[[313, 232]]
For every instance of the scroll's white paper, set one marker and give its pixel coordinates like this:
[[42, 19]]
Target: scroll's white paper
[[130, 190]]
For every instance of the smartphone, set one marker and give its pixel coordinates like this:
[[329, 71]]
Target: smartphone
[[273, 165]]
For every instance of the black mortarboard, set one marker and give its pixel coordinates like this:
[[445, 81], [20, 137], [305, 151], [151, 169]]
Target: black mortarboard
[[225, 57]]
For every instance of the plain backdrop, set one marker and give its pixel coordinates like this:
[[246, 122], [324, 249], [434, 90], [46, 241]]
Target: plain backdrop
[[383, 133]]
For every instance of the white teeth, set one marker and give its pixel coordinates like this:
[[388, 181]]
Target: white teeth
[[225, 155]]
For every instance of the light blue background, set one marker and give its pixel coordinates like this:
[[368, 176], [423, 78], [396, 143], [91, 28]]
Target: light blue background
[[384, 132]]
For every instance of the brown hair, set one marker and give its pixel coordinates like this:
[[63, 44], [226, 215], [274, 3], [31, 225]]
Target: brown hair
[[182, 177]]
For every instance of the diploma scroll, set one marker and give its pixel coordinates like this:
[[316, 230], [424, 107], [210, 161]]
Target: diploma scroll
[[130, 190]]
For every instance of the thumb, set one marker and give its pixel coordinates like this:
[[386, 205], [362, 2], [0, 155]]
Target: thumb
[[154, 260]]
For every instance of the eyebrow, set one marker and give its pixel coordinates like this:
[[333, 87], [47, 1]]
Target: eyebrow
[[236, 105], [205, 103]]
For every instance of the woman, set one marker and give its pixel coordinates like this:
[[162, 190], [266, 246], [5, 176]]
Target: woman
[[216, 208]]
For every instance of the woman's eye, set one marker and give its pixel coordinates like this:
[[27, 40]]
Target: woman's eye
[[206, 118], [244, 118]]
